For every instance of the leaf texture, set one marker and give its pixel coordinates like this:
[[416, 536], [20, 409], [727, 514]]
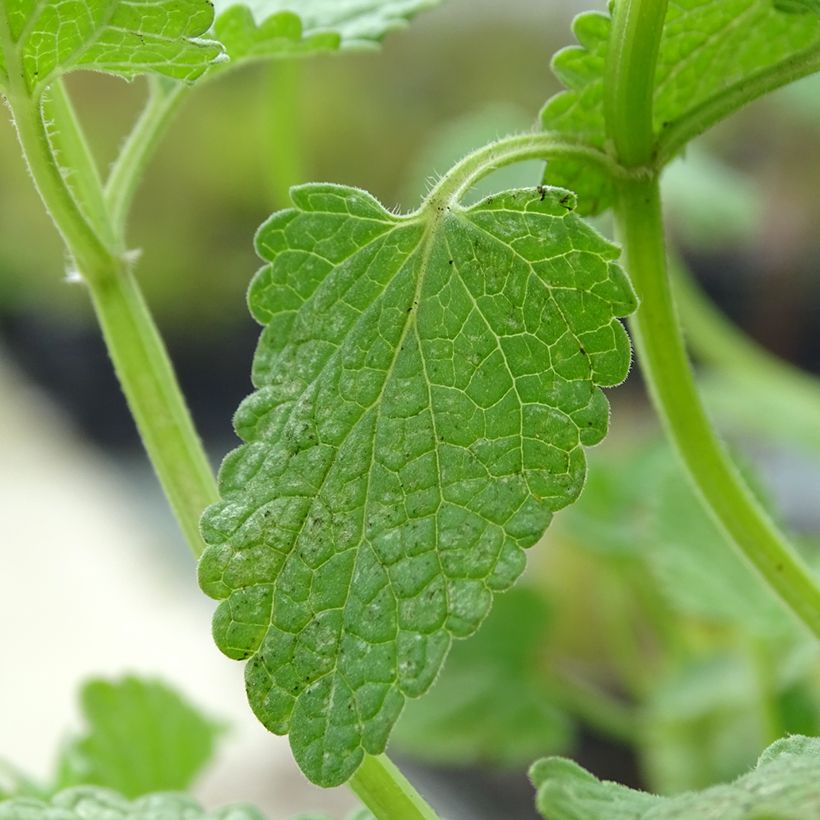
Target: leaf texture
[[123, 37], [426, 384], [92, 803], [142, 737], [706, 47], [490, 705], [269, 28], [784, 784]]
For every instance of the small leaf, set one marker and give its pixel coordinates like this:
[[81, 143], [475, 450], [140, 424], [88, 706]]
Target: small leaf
[[123, 37], [426, 385], [784, 784], [705, 48], [93, 803], [489, 705], [272, 28], [142, 737]]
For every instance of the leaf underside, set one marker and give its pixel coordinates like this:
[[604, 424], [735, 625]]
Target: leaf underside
[[425, 388], [93, 803], [706, 47], [784, 784], [122, 37], [489, 706], [270, 28]]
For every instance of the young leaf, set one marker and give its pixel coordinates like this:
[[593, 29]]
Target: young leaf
[[490, 705], [270, 28], [783, 784], [705, 48], [142, 737], [93, 803], [123, 37], [426, 384]]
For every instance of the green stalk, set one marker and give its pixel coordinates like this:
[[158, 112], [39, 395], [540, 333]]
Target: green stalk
[[164, 98], [139, 356], [655, 328], [71, 150], [380, 785], [666, 369], [156, 402]]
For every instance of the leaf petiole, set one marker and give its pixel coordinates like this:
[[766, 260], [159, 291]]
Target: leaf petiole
[[164, 99]]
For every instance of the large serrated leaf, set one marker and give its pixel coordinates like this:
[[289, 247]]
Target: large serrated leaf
[[270, 28], [142, 737], [123, 37], [490, 705], [705, 48], [92, 803], [426, 384], [784, 784]]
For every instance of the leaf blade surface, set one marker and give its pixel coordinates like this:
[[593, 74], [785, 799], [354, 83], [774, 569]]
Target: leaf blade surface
[[426, 385], [705, 48], [122, 37], [783, 784]]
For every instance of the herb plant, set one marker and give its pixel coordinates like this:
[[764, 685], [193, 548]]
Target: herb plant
[[425, 384]]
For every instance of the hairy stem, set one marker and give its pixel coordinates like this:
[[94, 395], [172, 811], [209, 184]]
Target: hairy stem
[[380, 785], [156, 402], [136, 348], [629, 81], [655, 327], [507, 151], [164, 98], [671, 383], [71, 150]]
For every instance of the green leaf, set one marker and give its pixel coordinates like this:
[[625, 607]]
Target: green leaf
[[272, 28], [123, 37], [426, 384], [142, 737], [784, 784], [705, 48], [93, 803], [490, 705]]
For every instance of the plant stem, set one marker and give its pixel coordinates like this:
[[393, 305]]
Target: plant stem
[[671, 383], [155, 400], [164, 98], [380, 785], [629, 81], [507, 151], [655, 329], [136, 348], [70, 148]]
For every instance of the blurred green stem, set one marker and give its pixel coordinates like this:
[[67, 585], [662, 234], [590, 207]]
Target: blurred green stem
[[592, 706], [655, 328], [164, 98], [155, 399]]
